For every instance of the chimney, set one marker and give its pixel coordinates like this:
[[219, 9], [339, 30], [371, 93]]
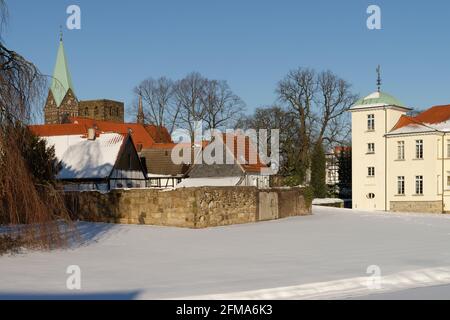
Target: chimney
[[91, 134]]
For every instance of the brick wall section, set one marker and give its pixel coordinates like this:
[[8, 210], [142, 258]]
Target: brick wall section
[[417, 206], [102, 110], [189, 208]]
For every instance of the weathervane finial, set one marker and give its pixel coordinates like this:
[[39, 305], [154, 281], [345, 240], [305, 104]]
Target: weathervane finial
[[379, 78], [60, 33]]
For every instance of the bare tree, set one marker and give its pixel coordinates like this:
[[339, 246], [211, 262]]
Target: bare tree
[[276, 117], [188, 97], [334, 100], [297, 90], [159, 105], [221, 106], [320, 102]]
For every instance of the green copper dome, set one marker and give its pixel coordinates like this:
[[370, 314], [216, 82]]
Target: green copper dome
[[378, 99], [62, 80]]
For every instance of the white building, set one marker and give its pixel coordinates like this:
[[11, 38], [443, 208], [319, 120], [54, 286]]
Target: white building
[[400, 162], [372, 118], [97, 162]]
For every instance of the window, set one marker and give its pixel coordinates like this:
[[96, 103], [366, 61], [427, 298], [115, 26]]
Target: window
[[419, 185], [371, 148], [401, 150], [371, 196], [448, 148], [371, 171], [448, 179], [371, 122], [96, 111], [419, 149], [401, 186]]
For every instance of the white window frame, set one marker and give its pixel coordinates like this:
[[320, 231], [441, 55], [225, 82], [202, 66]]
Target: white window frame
[[447, 186], [448, 148], [371, 148], [419, 149], [371, 122], [401, 185], [401, 150], [419, 185]]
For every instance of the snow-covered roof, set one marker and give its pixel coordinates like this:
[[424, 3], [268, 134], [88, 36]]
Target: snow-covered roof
[[82, 158], [434, 119]]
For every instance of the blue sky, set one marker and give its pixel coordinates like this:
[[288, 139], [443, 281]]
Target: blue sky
[[251, 44]]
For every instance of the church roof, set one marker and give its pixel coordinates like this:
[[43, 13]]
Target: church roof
[[378, 99], [62, 81]]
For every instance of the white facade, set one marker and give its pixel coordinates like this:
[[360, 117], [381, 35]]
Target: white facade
[[372, 118]]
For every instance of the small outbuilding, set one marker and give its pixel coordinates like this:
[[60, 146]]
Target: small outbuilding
[[97, 161]]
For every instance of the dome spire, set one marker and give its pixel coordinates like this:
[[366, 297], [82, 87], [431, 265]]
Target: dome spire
[[379, 78], [60, 33]]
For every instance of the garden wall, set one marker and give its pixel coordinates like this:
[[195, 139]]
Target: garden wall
[[188, 207]]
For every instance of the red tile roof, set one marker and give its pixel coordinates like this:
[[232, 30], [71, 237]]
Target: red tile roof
[[159, 134], [58, 130], [433, 115], [250, 153], [143, 136]]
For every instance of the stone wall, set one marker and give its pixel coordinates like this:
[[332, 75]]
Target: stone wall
[[416, 206], [102, 110], [187, 207], [54, 114]]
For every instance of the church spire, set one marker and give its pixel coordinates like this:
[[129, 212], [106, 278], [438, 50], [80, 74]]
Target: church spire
[[140, 116], [62, 81]]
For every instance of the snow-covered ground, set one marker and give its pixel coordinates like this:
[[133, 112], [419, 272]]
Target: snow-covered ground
[[325, 255]]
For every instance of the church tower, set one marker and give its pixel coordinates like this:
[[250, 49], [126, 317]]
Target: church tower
[[61, 101]]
